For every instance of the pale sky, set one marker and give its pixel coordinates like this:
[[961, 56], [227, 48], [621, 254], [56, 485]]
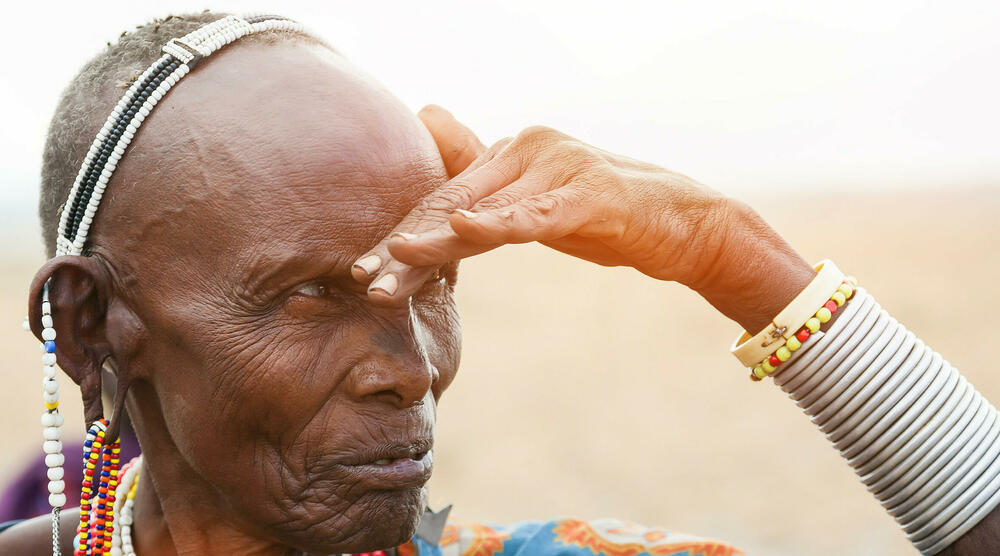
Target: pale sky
[[739, 95]]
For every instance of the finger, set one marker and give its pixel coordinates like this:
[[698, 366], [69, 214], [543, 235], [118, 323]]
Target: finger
[[544, 217], [457, 144], [461, 192], [435, 248], [397, 282]]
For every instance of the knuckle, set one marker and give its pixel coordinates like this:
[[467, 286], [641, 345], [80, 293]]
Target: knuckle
[[448, 198], [539, 133], [497, 200]]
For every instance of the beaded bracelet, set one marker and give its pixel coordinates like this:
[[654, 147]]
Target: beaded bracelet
[[770, 364]]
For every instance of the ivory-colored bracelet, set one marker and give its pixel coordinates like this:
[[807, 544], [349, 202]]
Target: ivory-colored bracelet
[[751, 350]]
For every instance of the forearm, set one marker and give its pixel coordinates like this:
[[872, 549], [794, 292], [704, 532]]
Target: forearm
[[919, 436]]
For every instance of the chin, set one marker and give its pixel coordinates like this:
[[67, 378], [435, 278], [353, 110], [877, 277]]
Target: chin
[[380, 519]]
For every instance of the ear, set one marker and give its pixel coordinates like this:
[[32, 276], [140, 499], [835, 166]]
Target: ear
[[86, 316]]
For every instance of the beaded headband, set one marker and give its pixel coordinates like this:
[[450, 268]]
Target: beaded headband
[[101, 465]]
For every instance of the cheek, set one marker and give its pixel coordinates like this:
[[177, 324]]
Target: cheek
[[256, 383], [443, 340]]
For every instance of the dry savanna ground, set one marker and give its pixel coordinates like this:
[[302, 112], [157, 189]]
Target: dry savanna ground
[[594, 392]]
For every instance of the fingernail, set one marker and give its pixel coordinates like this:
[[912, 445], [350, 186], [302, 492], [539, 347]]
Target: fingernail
[[467, 213], [369, 264], [387, 284], [404, 235]]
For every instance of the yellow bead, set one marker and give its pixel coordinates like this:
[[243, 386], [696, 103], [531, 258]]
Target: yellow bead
[[793, 344], [51, 405], [839, 298], [852, 280], [90, 465], [824, 314], [847, 290], [767, 366], [813, 325], [783, 353], [759, 372]]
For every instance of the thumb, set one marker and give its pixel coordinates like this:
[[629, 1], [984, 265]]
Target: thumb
[[457, 144]]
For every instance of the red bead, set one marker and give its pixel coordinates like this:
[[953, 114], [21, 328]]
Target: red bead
[[831, 305], [774, 361], [802, 335]]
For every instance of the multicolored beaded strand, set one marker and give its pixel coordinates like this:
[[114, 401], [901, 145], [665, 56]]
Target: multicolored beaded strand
[[97, 516], [121, 538], [769, 365]]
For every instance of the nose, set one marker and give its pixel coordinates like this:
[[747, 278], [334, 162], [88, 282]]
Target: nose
[[397, 369]]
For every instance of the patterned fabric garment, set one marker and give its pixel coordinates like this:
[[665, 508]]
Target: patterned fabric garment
[[562, 537]]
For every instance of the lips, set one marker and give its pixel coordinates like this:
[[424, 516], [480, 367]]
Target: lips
[[394, 473], [392, 467]]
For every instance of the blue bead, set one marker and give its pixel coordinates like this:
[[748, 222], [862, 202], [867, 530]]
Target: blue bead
[[50, 346]]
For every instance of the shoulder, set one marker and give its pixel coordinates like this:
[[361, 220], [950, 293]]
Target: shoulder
[[575, 536], [34, 536]]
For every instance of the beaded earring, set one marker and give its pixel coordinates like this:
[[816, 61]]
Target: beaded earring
[[52, 420]]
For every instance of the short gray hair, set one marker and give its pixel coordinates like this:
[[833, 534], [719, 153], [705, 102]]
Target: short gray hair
[[91, 95]]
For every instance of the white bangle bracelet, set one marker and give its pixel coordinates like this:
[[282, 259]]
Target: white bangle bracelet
[[788, 375], [863, 387], [920, 437], [903, 467]]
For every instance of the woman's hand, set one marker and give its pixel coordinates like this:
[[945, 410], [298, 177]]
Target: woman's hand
[[548, 187]]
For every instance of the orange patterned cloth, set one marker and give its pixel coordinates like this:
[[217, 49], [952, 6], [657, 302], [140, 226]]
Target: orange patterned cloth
[[565, 537]]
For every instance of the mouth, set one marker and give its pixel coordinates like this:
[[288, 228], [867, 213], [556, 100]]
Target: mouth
[[394, 467]]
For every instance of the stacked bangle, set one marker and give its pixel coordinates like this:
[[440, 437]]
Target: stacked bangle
[[769, 364]]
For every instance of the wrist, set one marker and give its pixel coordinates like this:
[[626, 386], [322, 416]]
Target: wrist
[[753, 273]]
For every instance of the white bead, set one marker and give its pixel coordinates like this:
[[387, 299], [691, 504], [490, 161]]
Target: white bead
[[55, 473], [50, 386], [52, 419], [52, 433], [56, 487], [52, 447], [48, 333], [54, 460], [46, 308], [57, 500], [49, 371], [47, 321], [115, 551], [48, 359], [50, 397]]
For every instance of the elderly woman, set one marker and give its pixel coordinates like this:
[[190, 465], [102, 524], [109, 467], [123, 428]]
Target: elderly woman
[[270, 281]]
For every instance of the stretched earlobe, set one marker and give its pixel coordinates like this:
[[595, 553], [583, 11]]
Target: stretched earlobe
[[79, 292]]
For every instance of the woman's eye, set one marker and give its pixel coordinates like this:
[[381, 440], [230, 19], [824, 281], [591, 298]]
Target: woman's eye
[[312, 289]]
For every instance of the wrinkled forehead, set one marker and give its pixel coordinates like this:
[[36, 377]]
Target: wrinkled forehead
[[269, 149]]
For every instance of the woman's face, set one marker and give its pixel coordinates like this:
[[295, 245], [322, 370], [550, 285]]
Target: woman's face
[[262, 369]]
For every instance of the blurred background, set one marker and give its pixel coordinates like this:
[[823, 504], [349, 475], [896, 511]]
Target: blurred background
[[865, 132]]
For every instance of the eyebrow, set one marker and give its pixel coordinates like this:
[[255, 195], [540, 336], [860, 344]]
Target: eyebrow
[[263, 274]]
